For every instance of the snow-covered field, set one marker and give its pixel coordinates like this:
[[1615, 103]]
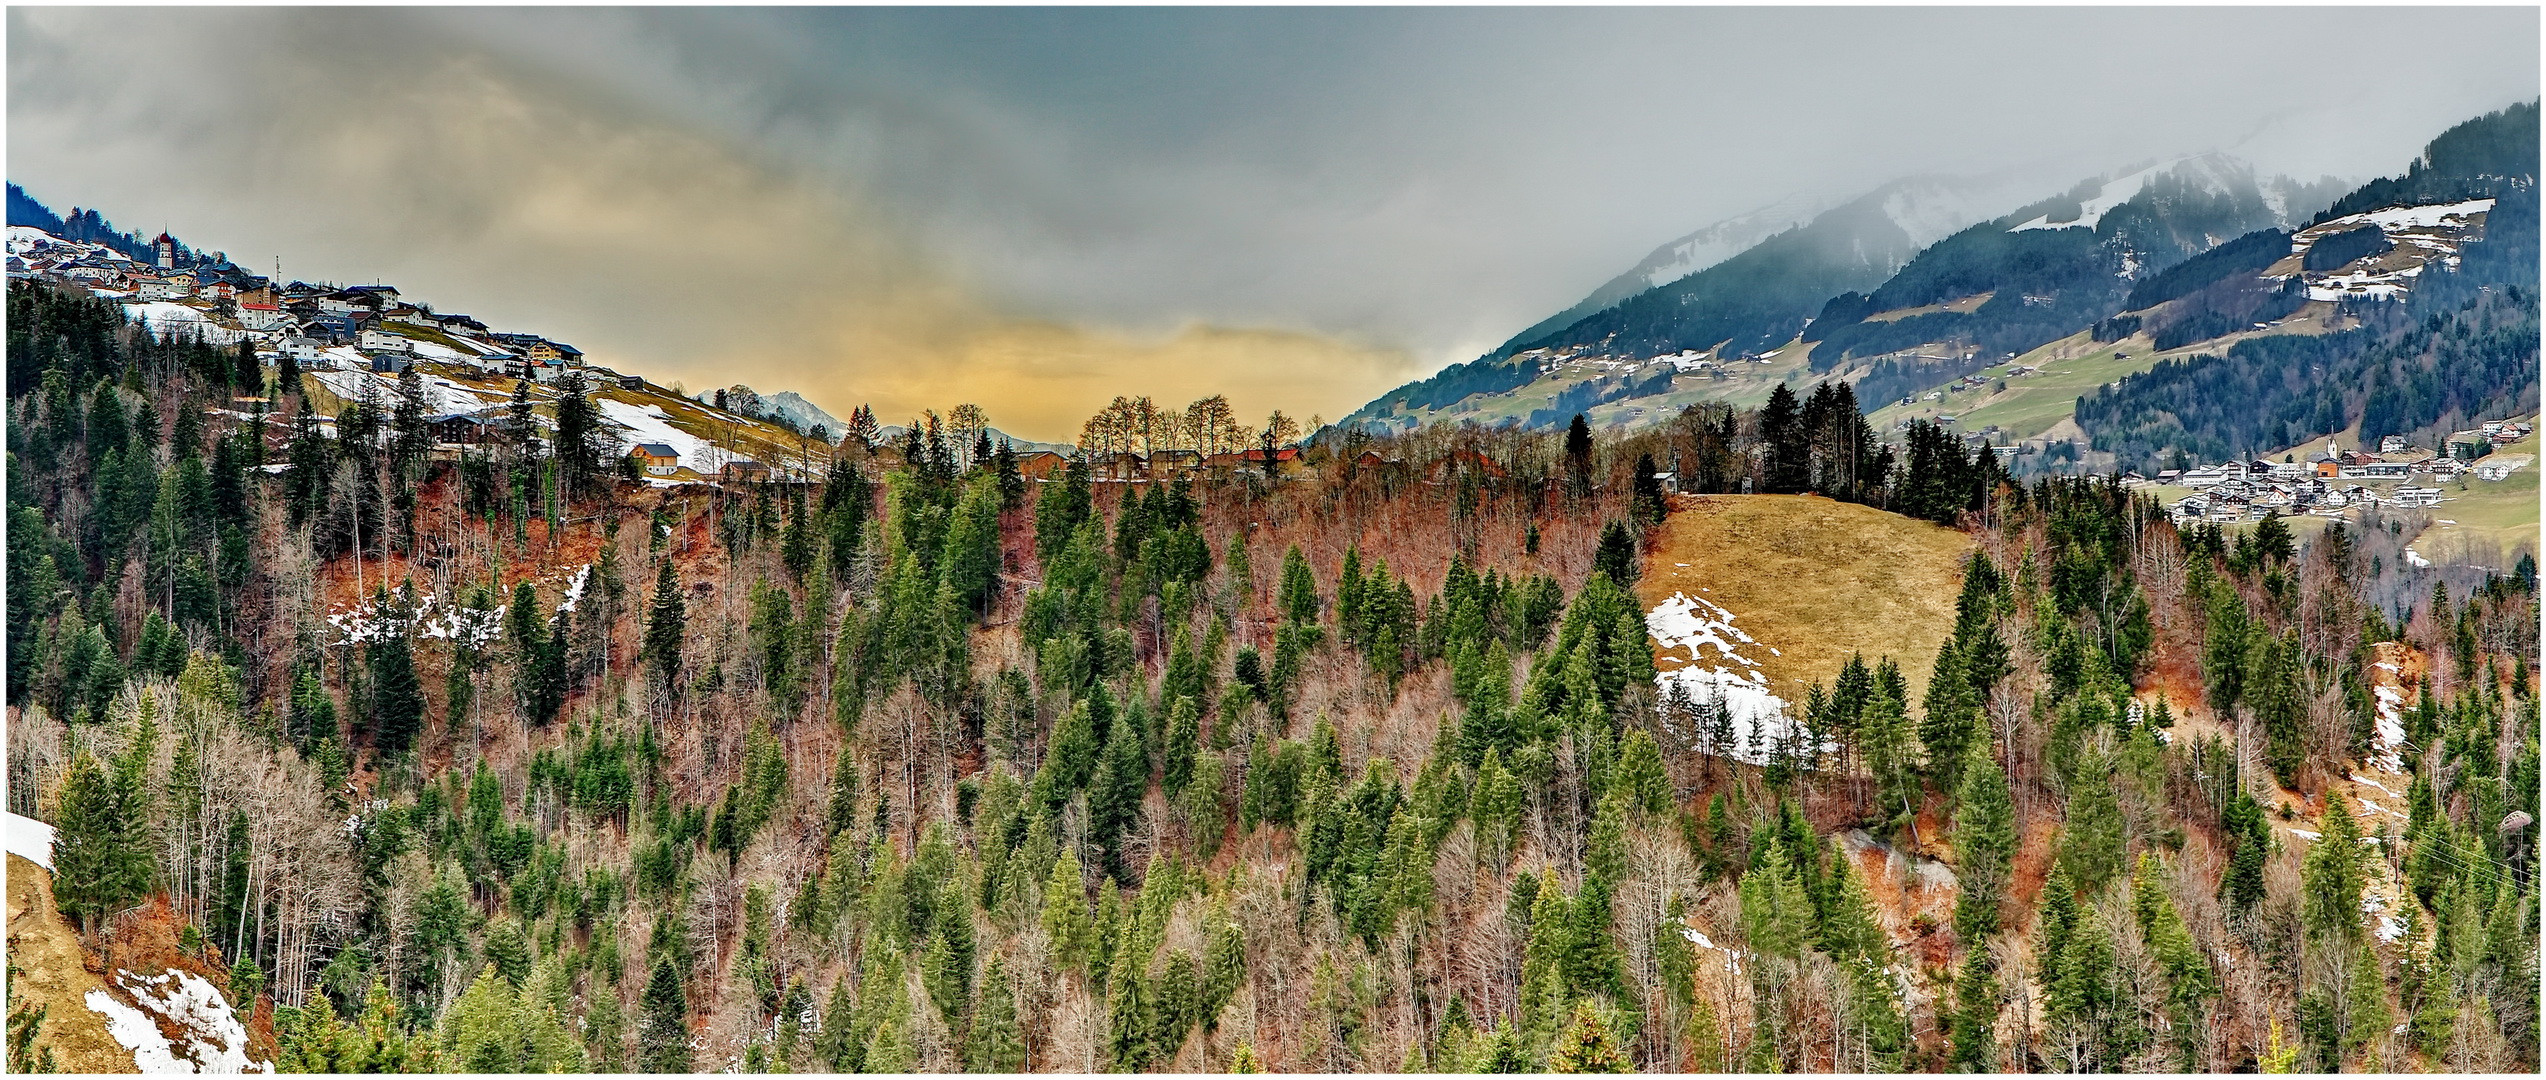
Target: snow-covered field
[[649, 423], [215, 1041], [2421, 234], [1729, 679], [165, 319], [2091, 211], [440, 395]]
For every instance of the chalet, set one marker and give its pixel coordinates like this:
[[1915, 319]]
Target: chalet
[[383, 341], [2329, 470], [414, 316], [1121, 466], [2206, 476], [390, 363], [2289, 470], [657, 459], [156, 288], [1286, 459], [631, 382], [1041, 465], [743, 471], [2394, 444], [466, 428], [1169, 464], [2415, 496], [2501, 466], [459, 324], [303, 350]]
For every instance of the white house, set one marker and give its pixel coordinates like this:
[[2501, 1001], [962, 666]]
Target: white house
[[2415, 496], [384, 341], [257, 316]]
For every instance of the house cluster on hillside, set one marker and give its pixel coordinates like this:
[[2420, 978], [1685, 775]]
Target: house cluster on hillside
[[319, 326], [2333, 480]]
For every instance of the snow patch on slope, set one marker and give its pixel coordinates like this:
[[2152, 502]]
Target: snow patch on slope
[[649, 423], [215, 1041], [28, 839], [1758, 717]]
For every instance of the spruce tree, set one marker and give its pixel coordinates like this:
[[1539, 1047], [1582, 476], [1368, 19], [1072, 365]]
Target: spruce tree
[[664, 624], [664, 1042], [1984, 845], [89, 846], [397, 696], [996, 1043]]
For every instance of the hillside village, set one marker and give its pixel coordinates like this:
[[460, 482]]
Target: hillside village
[[353, 340]]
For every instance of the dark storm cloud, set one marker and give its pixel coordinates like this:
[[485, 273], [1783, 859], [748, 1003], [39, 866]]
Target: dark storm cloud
[[1040, 208]]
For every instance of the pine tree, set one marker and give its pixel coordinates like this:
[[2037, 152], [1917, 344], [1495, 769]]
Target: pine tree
[[665, 1038], [2091, 841], [664, 625], [2331, 880], [397, 696], [1984, 844], [1972, 1026], [1114, 798], [1578, 458], [1129, 1021], [93, 845], [2280, 702], [1298, 601], [996, 1043], [1065, 920], [1891, 755]]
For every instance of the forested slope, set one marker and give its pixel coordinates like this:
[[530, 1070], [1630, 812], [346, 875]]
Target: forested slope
[[928, 767]]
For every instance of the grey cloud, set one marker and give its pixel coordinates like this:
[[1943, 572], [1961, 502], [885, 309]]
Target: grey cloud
[[1415, 182]]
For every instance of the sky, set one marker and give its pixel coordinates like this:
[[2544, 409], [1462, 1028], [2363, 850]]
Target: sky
[[1036, 210]]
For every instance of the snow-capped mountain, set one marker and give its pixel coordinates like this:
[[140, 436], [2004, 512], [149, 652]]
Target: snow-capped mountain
[[1967, 265], [1744, 303], [1688, 255]]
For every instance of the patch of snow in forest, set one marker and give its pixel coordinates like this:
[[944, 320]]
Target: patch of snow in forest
[[2359, 779], [2390, 928], [1756, 718], [29, 839], [432, 618], [2391, 730], [2415, 557], [2307, 834], [1732, 956], [574, 588]]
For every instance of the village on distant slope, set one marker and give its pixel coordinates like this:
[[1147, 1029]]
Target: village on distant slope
[[357, 339]]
